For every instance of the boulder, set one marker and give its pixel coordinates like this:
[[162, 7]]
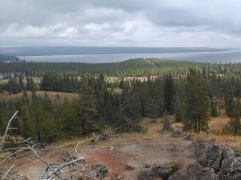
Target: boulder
[[177, 133], [227, 175], [192, 170], [206, 174], [236, 165], [156, 170], [98, 172], [189, 137], [228, 158], [130, 166], [229, 153], [102, 137], [195, 171], [231, 167], [178, 176], [207, 154]]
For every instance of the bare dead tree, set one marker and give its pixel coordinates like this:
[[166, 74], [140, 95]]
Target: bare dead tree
[[6, 131], [52, 170]]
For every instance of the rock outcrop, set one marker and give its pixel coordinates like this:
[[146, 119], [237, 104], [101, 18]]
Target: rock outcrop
[[154, 170], [207, 154], [213, 163]]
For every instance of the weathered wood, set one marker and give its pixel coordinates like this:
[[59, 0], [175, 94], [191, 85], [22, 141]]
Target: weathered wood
[[6, 132]]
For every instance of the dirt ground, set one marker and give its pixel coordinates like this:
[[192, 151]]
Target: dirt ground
[[123, 155], [129, 155], [126, 154]]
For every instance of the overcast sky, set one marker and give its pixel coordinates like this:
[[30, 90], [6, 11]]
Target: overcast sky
[[155, 23]]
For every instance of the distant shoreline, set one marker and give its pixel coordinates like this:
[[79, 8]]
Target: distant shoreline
[[233, 56], [77, 50]]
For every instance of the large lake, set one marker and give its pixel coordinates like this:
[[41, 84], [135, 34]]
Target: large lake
[[233, 56]]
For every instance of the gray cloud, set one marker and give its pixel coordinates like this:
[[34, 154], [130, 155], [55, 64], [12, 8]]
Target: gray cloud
[[120, 23]]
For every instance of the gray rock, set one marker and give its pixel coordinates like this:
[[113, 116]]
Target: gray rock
[[178, 176], [98, 172], [231, 168], [227, 175], [206, 174], [236, 165], [192, 170], [236, 175], [156, 170], [146, 174], [207, 154], [229, 153], [189, 137], [226, 164], [103, 137], [130, 166], [177, 133], [196, 172], [228, 158]]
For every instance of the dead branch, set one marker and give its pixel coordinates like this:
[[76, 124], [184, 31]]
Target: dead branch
[[7, 172], [76, 149], [51, 169], [16, 152], [61, 166], [6, 131], [10, 176], [35, 152]]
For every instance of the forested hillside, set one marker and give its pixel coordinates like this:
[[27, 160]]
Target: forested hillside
[[170, 87], [8, 58], [133, 67]]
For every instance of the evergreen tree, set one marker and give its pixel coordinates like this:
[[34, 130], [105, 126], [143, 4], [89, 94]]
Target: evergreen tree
[[13, 86], [21, 83], [196, 103], [27, 127], [179, 115], [68, 124], [169, 93], [135, 108], [214, 112], [86, 107], [151, 109]]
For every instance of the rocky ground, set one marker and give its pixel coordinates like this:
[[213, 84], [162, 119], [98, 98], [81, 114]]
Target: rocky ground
[[123, 158], [173, 156]]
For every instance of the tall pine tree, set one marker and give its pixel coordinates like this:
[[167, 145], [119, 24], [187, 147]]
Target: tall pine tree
[[196, 103], [86, 107]]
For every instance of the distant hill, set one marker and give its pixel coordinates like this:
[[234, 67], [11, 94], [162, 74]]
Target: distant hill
[[78, 50], [8, 58]]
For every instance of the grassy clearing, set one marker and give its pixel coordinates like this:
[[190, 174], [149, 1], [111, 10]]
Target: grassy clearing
[[217, 123], [52, 95]]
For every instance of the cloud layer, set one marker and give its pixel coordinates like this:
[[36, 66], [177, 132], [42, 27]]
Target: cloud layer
[[213, 23]]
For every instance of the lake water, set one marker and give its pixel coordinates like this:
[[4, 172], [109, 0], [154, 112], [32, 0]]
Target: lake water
[[233, 56]]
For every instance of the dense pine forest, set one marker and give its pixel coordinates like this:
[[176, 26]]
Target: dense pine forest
[[116, 96]]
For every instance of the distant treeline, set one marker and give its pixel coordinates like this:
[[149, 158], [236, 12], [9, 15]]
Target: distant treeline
[[132, 68], [8, 58]]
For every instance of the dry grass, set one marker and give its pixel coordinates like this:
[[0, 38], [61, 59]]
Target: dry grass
[[35, 79], [52, 95], [143, 78], [217, 123]]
